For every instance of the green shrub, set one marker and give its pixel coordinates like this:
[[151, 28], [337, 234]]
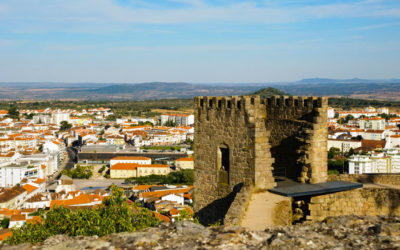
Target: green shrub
[[333, 171], [102, 169], [184, 176], [80, 172], [113, 216]]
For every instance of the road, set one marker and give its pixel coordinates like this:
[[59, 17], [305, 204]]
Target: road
[[68, 163], [84, 183]]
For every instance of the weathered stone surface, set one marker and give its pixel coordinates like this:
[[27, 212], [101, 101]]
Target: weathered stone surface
[[389, 179], [346, 232], [365, 201]]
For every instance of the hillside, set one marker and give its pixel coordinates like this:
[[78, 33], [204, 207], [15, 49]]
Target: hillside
[[268, 92], [388, 90]]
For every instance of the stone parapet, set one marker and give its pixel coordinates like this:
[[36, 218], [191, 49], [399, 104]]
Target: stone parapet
[[362, 202]]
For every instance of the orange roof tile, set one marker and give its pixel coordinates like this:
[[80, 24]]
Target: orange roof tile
[[34, 220], [185, 159], [18, 217], [78, 200], [39, 181], [9, 212], [5, 233], [29, 188], [162, 217], [143, 187], [173, 211], [124, 166], [136, 158]]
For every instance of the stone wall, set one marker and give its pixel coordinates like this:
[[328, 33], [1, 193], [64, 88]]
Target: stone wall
[[388, 179], [239, 131], [363, 202]]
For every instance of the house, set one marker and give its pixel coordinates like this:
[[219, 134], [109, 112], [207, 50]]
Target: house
[[3, 113], [385, 162], [65, 184], [17, 221], [12, 198], [5, 233], [178, 119], [184, 163], [39, 201], [78, 199], [115, 140], [127, 170], [343, 145], [370, 145], [376, 123], [374, 134]]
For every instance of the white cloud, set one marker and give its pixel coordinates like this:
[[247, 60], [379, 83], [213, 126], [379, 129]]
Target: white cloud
[[89, 14]]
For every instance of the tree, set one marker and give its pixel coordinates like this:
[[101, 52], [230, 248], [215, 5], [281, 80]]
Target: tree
[[13, 112], [65, 126], [351, 152], [333, 152], [170, 123], [358, 138], [5, 222], [80, 172]]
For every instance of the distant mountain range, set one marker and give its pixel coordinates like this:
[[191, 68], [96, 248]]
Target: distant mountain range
[[386, 89]]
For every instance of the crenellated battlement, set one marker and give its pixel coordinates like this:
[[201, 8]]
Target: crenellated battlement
[[238, 102]]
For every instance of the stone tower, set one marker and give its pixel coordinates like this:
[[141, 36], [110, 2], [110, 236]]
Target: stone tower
[[246, 141]]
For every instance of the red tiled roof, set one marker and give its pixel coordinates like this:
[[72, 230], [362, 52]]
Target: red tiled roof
[[18, 217], [5, 233], [136, 158], [162, 217], [372, 144], [185, 159], [29, 188]]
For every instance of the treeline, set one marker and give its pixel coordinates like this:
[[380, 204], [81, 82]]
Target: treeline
[[185, 177], [135, 108], [346, 103]]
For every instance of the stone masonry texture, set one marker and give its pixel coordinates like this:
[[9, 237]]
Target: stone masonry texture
[[263, 138], [363, 202]]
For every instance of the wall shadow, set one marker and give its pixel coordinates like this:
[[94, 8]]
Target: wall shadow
[[287, 156], [215, 212]]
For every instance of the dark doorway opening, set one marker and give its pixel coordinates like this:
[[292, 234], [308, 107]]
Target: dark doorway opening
[[223, 164]]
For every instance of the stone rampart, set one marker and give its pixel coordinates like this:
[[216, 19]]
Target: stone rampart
[[363, 202], [239, 141], [388, 179]]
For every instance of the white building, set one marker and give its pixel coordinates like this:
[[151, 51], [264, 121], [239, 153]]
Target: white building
[[376, 123], [343, 145], [383, 110], [42, 119], [388, 162], [178, 119], [331, 113], [12, 174], [58, 117]]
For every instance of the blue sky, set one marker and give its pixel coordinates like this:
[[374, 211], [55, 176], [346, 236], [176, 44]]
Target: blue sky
[[198, 40]]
